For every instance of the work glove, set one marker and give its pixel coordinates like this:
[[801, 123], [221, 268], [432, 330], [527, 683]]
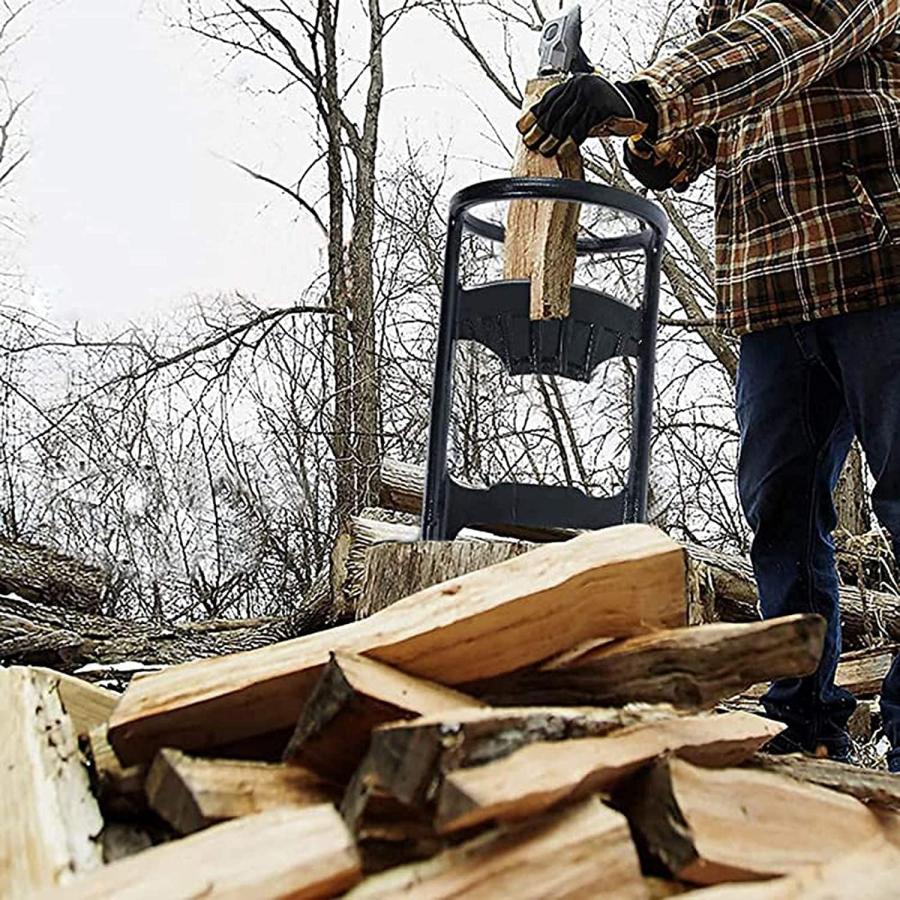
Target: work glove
[[587, 105], [653, 170]]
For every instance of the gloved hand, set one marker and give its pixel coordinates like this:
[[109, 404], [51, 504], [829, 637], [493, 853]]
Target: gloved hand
[[655, 171], [585, 104]]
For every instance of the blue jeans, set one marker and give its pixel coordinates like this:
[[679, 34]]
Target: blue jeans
[[803, 391]]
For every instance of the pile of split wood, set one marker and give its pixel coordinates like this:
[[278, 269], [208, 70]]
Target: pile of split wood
[[545, 727]]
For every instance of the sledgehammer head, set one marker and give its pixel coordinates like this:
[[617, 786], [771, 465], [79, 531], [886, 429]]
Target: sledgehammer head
[[560, 50]]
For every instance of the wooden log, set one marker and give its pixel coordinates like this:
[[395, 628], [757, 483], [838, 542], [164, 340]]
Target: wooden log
[[51, 823], [540, 234], [191, 793], [707, 826], [46, 576], [869, 873], [724, 585], [395, 570], [87, 704], [353, 696], [543, 774], [582, 851], [408, 760], [692, 668], [66, 639], [873, 786], [623, 580], [282, 853]]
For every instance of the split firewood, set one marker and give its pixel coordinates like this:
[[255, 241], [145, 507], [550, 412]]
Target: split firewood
[[708, 826], [541, 234], [50, 821], [692, 668], [620, 581], [353, 696], [283, 853], [191, 793], [408, 760], [543, 774], [119, 789], [582, 851], [869, 873], [869, 785], [87, 704]]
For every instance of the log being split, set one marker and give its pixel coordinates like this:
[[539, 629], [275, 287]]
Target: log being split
[[352, 697], [692, 668], [283, 853], [620, 581], [582, 851], [191, 794], [407, 761], [541, 234], [707, 826], [50, 822]]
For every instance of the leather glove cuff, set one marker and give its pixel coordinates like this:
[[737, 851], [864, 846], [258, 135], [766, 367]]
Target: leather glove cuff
[[641, 99]]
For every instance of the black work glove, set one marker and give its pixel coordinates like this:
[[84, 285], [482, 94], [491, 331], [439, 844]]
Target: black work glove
[[586, 104], [659, 173]]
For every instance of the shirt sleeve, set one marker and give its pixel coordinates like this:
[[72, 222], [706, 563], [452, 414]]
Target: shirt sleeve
[[767, 54]]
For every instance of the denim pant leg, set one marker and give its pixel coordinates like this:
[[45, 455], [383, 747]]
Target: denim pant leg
[[795, 435], [866, 350]]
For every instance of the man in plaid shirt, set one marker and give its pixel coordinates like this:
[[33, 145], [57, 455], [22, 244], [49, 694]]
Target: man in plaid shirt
[[797, 104]]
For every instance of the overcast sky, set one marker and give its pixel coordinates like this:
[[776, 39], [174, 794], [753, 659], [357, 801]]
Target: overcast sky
[[128, 204]]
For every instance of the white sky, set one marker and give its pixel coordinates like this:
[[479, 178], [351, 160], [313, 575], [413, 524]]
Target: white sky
[[127, 204]]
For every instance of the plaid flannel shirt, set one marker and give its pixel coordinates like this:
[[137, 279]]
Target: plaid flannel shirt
[[803, 97]]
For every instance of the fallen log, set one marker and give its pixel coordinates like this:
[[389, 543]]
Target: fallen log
[[191, 793], [582, 851], [724, 587], [51, 823], [708, 826], [66, 639], [620, 581], [283, 853], [543, 774], [691, 668], [408, 760], [353, 696], [46, 576], [873, 786]]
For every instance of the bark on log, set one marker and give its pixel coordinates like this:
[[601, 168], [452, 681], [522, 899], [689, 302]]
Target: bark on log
[[724, 586], [66, 639], [868, 785], [43, 575], [582, 851], [407, 761], [394, 570], [50, 821], [691, 668], [623, 580], [540, 234], [283, 853], [352, 697], [191, 793], [708, 826]]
